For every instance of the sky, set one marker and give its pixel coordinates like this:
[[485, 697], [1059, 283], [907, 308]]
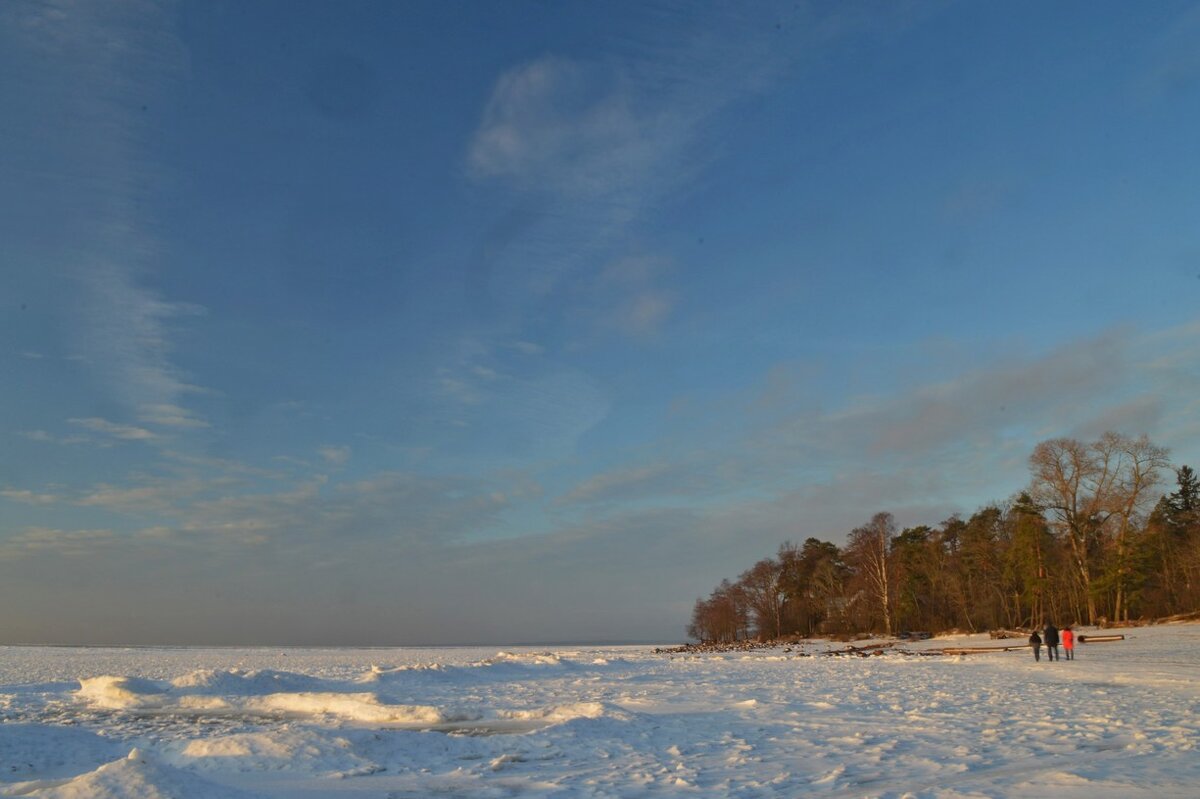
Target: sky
[[438, 323]]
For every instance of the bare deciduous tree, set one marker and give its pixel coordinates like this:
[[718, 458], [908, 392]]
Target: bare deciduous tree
[[867, 552], [762, 587], [1087, 487], [1138, 463]]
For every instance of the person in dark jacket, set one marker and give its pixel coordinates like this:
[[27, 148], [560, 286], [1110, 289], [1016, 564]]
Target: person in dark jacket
[[1035, 643], [1050, 634]]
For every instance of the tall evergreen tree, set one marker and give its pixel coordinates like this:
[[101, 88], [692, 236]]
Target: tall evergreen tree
[[1027, 562], [913, 565], [1183, 504]]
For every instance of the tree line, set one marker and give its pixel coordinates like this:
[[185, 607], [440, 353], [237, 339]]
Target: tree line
[[1090, 539]]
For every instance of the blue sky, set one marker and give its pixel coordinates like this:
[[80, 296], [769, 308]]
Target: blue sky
[[464, 322]]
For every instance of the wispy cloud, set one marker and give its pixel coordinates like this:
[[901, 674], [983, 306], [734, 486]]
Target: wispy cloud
[[623, 485], [161, 496], [124, 432], [64, 543], [643, 313], [630, 296], [965, 435], [1076, 376], [49, 438], [622, 128], [407, 510], [333, 455], [29, 497], [101, 64], [544, 417], [226, 467], [128, 341], [167, 415], [459, 385], [528, 348], [596, 145], [571, 129]]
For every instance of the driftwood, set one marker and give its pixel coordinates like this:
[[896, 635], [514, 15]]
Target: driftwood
[[914, 636], [1179, 617], [982, 650], [1007, 634], [1098, 639], [710, 648], [862, 651], [715, 647]]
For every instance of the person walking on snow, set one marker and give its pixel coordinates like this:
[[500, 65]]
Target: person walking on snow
[[1068, 642], [1051, 636], [1035, 643]]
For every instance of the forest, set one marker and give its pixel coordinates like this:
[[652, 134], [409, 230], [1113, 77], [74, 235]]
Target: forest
[[1097, 536]]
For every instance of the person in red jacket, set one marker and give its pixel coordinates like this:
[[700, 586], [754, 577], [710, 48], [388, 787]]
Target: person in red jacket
[[1068, 642]]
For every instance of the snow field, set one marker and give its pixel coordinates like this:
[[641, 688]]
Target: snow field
[[1123, 720]]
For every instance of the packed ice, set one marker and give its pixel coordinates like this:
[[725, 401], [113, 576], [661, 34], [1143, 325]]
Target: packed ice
[[1121, 720]]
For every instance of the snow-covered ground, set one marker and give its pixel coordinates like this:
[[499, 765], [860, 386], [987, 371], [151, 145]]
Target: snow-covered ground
[[1122, 720]]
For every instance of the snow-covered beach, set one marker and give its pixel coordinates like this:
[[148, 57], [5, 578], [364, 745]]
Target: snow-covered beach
[[1122, 720]]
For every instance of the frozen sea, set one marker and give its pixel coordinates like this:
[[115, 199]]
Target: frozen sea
[[1123, 720]]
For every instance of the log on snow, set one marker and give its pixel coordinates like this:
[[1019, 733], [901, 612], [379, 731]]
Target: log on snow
[[1098, 639], [1178, 617], [980, 650]]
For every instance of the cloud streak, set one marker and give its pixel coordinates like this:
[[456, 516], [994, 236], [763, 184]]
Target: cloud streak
[[124, 432], [102, 65], [334, 455], [964, 436], [29, 497]]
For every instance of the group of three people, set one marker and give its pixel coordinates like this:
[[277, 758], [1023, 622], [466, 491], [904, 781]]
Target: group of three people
[[1051, 639]]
